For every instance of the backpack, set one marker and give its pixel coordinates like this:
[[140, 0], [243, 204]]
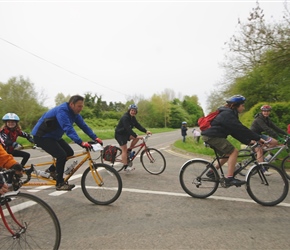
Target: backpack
[[204, 122], [109, 153]]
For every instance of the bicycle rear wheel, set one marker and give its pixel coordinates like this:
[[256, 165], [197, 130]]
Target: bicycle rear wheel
[[102, 185], [286, 166], [37, 226], [194, 180], [267, 190], [153, 161]]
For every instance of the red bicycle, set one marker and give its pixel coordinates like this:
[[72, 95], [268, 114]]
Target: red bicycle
[[152, 159]]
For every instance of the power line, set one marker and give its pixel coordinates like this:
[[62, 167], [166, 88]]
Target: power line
[[58, 66]]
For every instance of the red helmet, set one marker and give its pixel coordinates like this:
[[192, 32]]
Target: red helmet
[[266, 108]]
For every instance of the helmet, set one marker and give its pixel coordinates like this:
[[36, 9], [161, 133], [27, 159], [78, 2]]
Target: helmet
[[11, 117], [266, 108], [133, 106], [184, 122], [236, 99]]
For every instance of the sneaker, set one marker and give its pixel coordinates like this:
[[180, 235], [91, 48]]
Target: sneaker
[[64, 186], [267, 173], [210, 174], [129, 169], [236, 182], [52, 174]]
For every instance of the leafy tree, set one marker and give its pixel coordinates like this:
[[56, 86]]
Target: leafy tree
[[61, 98]]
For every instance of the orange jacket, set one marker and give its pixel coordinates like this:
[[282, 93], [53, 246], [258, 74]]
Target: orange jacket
[[6, 160]]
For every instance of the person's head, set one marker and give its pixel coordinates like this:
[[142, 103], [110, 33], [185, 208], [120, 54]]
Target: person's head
[[132, 109], [266, 109], [11, 120], [76, 103], [236, 102], [184, 123]]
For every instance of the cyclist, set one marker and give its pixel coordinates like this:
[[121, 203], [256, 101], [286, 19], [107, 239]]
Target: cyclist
[[227, 123], [9, 133], [124, 133], [49, 130]]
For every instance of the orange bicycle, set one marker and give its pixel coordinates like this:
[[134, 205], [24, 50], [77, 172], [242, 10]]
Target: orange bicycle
[[152, 159]]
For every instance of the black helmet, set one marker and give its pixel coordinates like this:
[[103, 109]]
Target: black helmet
[[133, 106]]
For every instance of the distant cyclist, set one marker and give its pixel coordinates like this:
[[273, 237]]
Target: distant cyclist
[[124, 133], [9, 133]]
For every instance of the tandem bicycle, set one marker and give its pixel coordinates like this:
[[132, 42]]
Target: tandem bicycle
[[27, 222], [100, 183], [198, 182]]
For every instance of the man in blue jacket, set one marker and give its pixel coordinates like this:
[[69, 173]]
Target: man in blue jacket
[[51, 127]]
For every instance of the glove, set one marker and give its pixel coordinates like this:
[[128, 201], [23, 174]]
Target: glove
[[18, 169], [86, 145], [98, 140]]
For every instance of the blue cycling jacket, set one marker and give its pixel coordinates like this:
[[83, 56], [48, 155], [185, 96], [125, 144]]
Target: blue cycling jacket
[[59, 120]]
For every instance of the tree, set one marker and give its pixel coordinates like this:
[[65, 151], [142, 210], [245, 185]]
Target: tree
[[19, 96], [61, 98]]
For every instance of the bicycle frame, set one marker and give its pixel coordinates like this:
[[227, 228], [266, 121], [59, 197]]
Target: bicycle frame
[[45, 181]]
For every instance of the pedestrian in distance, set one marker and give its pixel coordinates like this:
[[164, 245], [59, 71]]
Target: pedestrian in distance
[[124, 133], [50, 128], [184, 131], [196, 135], [9, 132]]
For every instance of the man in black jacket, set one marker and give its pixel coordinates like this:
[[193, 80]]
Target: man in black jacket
[[227, 123], [124, 133]]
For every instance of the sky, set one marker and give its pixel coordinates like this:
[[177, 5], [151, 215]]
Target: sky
[[120, 49]]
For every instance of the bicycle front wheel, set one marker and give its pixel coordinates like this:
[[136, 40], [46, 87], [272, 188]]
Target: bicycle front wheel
[[153, 161], [102, 184], [198, 178], [33, 223], [286, 166], [267, 190]]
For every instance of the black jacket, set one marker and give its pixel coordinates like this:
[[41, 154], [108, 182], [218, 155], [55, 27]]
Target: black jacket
[[227, 123], [126, 124], [262, 124]]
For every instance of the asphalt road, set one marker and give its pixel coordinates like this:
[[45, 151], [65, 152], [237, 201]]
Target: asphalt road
[[153, 212]]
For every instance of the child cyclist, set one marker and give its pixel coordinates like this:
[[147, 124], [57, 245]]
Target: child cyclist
[[9, 133]]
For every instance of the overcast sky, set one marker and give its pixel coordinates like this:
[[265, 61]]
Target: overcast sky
[[118, 49]]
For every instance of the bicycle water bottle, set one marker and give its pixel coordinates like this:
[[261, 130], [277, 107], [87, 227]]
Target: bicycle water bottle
[[43, 173], [132, 154], [71, 167]]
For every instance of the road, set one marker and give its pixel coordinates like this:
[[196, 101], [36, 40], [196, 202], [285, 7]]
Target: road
[[153, 212]]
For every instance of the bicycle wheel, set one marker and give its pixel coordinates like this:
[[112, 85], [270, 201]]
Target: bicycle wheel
[[153, 161], [35, 225], [117, 164], [286, 166], [102, 185], [196, 180], [267, 190], [244, 157]]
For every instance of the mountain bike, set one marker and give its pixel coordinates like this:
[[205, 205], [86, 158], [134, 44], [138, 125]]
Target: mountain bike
[[27, 222], [199, 178], [152, 159], [272, 154], [101, 184]]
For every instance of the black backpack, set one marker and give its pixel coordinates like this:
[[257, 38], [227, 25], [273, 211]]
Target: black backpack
[[109, 153]]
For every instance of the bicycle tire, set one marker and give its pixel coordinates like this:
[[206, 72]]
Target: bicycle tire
[[42, 228], [242, 160], [153, 161], [110, 186], [285, 166], [195, 182], [267, 190], [117, 164]]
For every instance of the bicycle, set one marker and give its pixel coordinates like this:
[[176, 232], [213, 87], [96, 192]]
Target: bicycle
[[196, 180], [21, 214], [152, 159], [245, 155], [101, 184]]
